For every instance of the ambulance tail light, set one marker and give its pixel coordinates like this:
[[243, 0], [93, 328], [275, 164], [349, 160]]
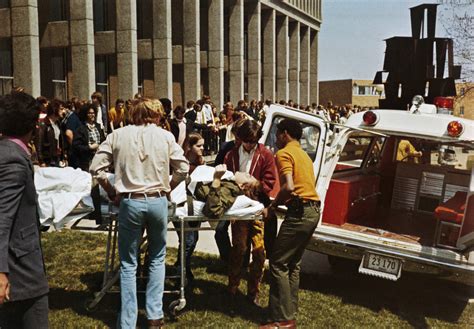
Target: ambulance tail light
[[444, 102], [370, 118], [455, 128]]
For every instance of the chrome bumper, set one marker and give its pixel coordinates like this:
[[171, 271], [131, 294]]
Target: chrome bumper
[[463, 273]]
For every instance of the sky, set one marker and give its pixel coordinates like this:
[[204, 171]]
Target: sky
[[351, 39]]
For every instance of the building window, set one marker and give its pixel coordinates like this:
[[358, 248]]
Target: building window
[[58, 10], [59, 69], [144, 23], [6, 66], [140, 78], [100, 15], [4, 4], [461, 110], [102, 77]]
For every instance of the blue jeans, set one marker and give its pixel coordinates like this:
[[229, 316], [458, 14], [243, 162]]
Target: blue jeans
[[151, 213]]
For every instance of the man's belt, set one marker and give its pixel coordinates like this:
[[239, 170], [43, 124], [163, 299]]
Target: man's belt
[[143, 195]]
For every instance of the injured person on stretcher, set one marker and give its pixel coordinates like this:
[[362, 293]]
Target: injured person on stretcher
[[217, 192]]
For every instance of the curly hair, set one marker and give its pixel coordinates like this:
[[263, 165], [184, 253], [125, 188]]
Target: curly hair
[[19, 113]]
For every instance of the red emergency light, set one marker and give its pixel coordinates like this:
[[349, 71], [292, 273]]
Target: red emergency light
[[370, 118], [444, 102], [455, 128]]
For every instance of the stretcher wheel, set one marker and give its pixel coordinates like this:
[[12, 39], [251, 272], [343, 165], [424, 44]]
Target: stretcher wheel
[[176, 306]]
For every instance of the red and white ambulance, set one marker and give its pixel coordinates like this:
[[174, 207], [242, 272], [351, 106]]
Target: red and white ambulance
[[397, 189]]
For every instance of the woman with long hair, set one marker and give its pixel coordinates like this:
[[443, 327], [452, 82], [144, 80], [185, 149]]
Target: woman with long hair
[[193, 147]]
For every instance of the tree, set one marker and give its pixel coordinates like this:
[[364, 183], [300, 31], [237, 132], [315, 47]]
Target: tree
[[457, 19]]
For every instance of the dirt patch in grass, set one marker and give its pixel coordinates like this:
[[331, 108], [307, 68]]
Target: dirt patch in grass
[[75, 263]]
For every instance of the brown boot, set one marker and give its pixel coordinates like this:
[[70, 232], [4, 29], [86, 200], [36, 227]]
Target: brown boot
[[156, 324]]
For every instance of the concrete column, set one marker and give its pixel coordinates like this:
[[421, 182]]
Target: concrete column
[[269, 54], [215, 61], [82, 48], [304, 66], [294, 63], [282, 58], [313, 67], [25, 45], [236, 50], [127, 57], [162, 49], [254, 66], [191, 49]]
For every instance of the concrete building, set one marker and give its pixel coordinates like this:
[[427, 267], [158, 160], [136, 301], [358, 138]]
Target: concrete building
[[355, 92], [180, 49], [464, 101]]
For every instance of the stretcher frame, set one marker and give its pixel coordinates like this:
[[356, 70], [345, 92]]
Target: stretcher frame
[[112, 266]]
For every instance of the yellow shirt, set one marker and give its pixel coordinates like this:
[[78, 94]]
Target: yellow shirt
[[293, 159], [115, 117], [405, 149]]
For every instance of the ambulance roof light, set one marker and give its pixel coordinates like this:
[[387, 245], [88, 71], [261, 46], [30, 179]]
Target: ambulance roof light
[[370, 118], [444, 102], [455, 128]]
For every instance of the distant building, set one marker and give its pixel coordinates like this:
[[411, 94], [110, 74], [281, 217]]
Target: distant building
[[354, 92], [464, 101], [179, 49]]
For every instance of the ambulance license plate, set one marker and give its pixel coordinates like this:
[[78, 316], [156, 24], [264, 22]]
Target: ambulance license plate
[[381, 266]]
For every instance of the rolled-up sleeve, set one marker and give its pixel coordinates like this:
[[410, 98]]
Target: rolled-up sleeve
[[178, 162], [102, 160]]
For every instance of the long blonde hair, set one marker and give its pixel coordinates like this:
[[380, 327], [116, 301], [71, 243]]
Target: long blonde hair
[[145, 110]]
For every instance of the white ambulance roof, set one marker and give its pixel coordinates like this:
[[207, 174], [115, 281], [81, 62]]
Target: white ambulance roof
[[414, 124]]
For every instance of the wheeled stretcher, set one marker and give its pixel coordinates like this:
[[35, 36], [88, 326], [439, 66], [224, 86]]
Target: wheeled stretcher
[[64, 196], [111, 265], [190, 210]]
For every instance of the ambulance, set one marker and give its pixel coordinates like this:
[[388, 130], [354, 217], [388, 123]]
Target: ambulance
[[397, 189]]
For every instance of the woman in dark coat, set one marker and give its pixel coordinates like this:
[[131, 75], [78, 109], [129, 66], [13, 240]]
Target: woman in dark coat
[[88, 137]]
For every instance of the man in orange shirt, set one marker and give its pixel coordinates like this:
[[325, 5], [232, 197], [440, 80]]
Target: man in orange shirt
[[298, 193]]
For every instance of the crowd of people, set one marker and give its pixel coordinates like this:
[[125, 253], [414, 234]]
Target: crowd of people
[[144, 142], [69, 132]]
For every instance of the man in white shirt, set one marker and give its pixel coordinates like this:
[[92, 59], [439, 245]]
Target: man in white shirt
[[141, 155]]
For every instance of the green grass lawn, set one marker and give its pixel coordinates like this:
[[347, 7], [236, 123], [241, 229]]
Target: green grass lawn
[[74, 262]]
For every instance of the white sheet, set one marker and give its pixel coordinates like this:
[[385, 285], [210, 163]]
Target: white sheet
[[242, 206], [63, 195]]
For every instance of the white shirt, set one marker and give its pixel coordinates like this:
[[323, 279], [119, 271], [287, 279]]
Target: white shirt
[[98, 118], [141, 156], [207, 109], [182, 131], [201, 117], [245, 159]]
